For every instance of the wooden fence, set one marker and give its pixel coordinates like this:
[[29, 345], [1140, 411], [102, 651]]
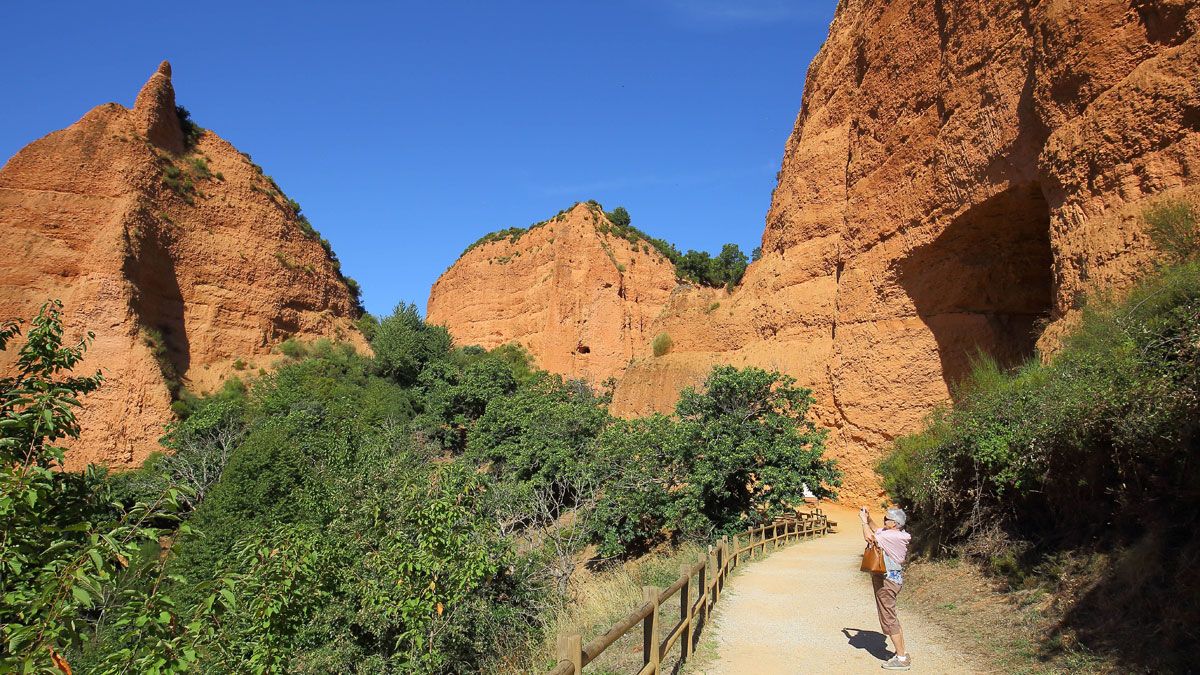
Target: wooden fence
[[694, 610]]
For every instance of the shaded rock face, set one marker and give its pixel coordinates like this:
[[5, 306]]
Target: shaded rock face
[[959, 175], [178, 284], [579, 300]]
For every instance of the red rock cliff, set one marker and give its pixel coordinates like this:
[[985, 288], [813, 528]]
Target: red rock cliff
[[959, 174], [142, 238], [580, 300]]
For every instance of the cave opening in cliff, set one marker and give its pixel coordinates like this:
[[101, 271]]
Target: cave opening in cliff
[[985, 284]]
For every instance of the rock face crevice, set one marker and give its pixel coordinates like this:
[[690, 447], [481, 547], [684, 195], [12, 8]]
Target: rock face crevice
[[177, 283]]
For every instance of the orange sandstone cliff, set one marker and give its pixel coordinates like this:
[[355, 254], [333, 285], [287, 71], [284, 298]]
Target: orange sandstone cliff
[[959, 176], [186, 262], [580, 299]]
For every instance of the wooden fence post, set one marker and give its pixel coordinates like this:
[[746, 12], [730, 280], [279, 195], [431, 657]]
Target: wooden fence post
[[570, 648], [718, 573], [650, 655], [685, 614], [702, 590]]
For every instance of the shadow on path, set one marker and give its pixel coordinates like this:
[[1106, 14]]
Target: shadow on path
[[870, 641]]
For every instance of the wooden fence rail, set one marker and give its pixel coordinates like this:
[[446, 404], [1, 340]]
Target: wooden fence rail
[[710, 575]]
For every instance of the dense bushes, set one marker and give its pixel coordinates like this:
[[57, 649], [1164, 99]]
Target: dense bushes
[[726, 269], [422, 510], [736, 454], [404, 344]]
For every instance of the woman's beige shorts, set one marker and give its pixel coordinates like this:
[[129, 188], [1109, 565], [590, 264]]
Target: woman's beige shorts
[[885, 603]]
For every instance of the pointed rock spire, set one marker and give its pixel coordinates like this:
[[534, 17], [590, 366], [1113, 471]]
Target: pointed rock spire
[[154, 111]]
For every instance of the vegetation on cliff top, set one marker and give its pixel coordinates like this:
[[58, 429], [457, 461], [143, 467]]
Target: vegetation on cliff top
[[699, 267], [1091, 453], [419, 510]]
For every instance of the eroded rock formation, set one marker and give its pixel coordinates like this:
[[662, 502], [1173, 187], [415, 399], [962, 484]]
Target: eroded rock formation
[[959, 175], [581, 300], [185, 262]]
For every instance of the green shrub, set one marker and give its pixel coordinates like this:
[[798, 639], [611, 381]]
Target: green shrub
[[1173, 228], [153, 338], [355, 290], [368, 325], [309, 231], [179, 182], [661, 344], [619, 217], [191, 131], [540, 432], [285, 262], [292, 348], [199, 167]]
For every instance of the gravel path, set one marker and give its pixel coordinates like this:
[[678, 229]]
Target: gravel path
[[808, 609]]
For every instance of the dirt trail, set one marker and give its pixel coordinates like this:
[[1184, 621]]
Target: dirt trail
[[787, 614]]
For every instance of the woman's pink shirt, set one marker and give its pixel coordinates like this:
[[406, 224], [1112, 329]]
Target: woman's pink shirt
[[894, 543]]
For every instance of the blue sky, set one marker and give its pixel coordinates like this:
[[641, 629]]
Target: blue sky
[[408, 130]]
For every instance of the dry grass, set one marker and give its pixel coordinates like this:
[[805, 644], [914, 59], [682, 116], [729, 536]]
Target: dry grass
[[600, 600], [1012, 629]]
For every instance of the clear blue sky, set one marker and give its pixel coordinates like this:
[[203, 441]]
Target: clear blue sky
[[407, 130]]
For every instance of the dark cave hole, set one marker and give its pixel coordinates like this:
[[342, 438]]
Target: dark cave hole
[[986, 283]]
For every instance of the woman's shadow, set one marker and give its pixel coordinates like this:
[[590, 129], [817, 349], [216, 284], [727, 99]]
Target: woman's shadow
[[874, 643]]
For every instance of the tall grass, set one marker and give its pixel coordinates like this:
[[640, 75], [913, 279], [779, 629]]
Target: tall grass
[[598, 601]]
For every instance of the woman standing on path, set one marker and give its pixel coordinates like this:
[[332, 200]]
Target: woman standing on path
[[894, 541]]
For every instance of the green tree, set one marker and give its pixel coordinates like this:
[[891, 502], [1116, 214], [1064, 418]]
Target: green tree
[[730, 265], [543, 431], [404, 344], [62, 547], [695, 266], [738, 453], [751, 448], [455, 397], [619, 217]]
